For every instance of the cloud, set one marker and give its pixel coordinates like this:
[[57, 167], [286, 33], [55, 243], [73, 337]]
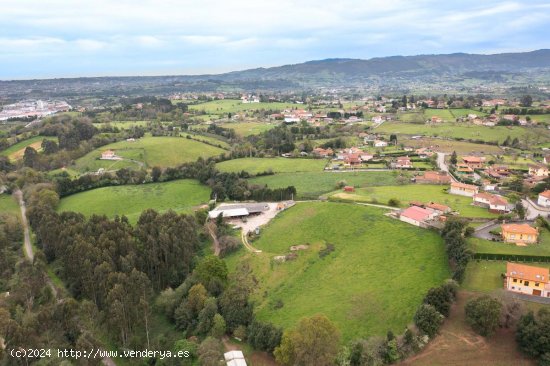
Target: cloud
[[218, 34]]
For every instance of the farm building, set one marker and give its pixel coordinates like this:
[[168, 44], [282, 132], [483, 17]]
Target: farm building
[[349, 189], [462, 189], [544, 199], [521, 234], [380, 143], [403, 162], [238, 210], [527, 280], [234, 358]]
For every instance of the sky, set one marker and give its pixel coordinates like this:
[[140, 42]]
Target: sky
[[72, 38]]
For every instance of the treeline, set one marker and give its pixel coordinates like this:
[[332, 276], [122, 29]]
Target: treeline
[[224, 185], [457, 251]]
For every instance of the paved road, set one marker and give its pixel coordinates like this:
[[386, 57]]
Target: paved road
[[27, 247]]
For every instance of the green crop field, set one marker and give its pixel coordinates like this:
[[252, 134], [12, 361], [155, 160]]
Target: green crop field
[[314, 184], [8, 204], [221, 107], [16, 151], [462, 112], [373, 281], [148, 151], [131, 200], [249, 128], [486, 246], [466, 131], [417, 192], [277, 165]]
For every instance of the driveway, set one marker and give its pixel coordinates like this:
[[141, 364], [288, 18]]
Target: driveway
[[443, 166], [532, 210]]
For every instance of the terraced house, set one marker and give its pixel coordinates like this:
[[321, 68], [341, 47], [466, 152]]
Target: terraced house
[[527, 280]]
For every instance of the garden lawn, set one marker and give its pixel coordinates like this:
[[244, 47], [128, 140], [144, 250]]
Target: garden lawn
[[416, 192], [314, 184], [478, 245], [276, 165], [372, 282], [131, 200], [149, 152]]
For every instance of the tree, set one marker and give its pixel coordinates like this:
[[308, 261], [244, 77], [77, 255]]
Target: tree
[[30, 157], [210, 352], [520, 210], [532, 335], [393, 139], [428, 320], [526, 101], [454, 158], [206, 316], [156, 172], [314, 341], [440, 298], [211, 269], [49, 146], [218, 326], [264, 336], [516, 184], [483, 314]]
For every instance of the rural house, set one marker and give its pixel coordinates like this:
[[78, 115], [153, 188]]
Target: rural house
[[520, 234], [538, 170], [527, 280], [462, 189], [439, 208], [495, 203], [546, 159], [544, 199], [380, 143], [403, 162], [109, 155], [474, 162], [432, 177], [318, 151]]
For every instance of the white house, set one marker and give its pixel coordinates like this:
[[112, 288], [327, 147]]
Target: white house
[[462, 189], [234, 358], [380, 143], [544, 199]]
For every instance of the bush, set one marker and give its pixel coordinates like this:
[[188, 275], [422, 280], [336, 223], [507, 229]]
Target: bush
[[394, 202], [532, 335], [483, 314]]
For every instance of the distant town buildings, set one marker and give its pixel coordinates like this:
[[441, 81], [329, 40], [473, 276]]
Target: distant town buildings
[[33, 108]]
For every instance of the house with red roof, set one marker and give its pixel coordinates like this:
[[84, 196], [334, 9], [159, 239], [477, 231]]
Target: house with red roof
[[529, 280], [463, 189], [495, 203], [416, 215]]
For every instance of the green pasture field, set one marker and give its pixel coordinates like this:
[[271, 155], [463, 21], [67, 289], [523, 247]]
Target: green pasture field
[[314, 184], [417, 192], [444, 114], [372, 282], [130, 200], [149, 152], [233, 106], [466, 131], [276, 165], [249, 128], [448, 146], [464, 112]]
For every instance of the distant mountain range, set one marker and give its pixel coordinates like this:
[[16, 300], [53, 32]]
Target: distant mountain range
[[452, 72]]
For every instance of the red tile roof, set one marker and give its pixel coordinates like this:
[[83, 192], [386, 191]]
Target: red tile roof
[[416, 213], [525, 272]]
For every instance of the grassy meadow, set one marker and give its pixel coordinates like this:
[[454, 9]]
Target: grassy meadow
[[16, 151], [249, 128], [314, 184], [8, 204], [276, 165], [419, 192], [131, 200], [148, 151], [222, 107], [372, 282]]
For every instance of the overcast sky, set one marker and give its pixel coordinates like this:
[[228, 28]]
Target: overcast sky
[[68, 38]]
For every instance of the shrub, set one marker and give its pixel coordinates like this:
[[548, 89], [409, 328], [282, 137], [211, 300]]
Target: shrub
[[428, 320], [483, 314], [394, 202]]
